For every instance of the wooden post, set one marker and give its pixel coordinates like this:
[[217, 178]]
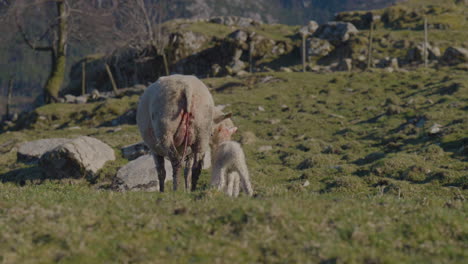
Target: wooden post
[[251, 51], [83, 78], [303, 52], [114, 86], [10, 93], [425, 46], [369, 49]]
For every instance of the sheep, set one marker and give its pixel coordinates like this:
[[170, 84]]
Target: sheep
[[228, 163], [175, 117]]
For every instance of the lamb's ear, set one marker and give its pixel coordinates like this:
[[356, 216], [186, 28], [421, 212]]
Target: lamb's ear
[[220, 118]]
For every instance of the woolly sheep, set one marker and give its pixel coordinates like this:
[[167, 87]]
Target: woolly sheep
[[175, 117]]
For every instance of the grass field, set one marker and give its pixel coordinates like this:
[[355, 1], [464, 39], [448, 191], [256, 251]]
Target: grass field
[[353, 176]]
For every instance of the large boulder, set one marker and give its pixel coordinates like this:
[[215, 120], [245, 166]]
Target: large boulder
[[309, 29], [416, 54], [316, 47], [336, 32], [455, 55], [141, 174], [235, 21], [32, 151], [80, 157]]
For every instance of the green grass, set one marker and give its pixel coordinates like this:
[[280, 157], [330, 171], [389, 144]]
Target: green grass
[[381, 189]]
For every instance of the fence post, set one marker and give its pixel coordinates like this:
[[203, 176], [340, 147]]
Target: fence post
[[251, 51], [114, 86], [425, 46], [10, 92], [303, 51], [369, 49], [83, 78]]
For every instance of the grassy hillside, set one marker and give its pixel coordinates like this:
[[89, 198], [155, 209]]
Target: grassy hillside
[[354, 175]]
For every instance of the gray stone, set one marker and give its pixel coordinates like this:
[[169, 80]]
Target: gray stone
[[33, 150], [318, 47], [455, 55], [345, 65], [80, 157], [265, 148], [435, 129], [309, 29], [235, 66], [239, 35], [416, 54], [336, 32], [141, 174], [81, 100], [70, 98], [134, 151]]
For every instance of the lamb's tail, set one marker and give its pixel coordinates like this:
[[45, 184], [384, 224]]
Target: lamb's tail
[[245, 178]]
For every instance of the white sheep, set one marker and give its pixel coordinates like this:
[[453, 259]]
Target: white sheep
[[229, 169], [175, 117]]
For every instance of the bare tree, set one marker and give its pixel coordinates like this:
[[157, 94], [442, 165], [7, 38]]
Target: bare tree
[[61, 21], [143, 28]]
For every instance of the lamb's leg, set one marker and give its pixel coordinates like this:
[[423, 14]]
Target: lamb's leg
[[196, 169], [245, 179], [159, 162], [236, 184], [188, 173], [230, 183], [218, 177]]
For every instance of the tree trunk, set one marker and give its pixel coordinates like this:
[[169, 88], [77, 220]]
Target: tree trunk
[[369, 48], [55, 81], [83, 78], [114, 86]]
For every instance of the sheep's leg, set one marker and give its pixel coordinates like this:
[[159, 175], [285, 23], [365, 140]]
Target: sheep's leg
[[175, 173], [218, 178], [159, 162], [196, 169], [188, 173]]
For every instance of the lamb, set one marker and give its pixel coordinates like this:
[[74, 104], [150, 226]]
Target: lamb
[[228, 163], [175, 117]]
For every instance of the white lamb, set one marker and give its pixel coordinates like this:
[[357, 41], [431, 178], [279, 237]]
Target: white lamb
[[229, 168]]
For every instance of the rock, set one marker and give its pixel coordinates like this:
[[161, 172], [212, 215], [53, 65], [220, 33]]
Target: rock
[[274, 121], [309, 29], [134, 151], [239, 36], [318, 47], [455, 55], [306, 183], [285, 69], [261, 109], [141, 174], [70, 99], [435, 129], [416, 54], [248, 137], [336, 32], [80, 157], [394, 63], [360, 19], [265, 148], [32, 151], [235, 21], [235, 66], [81, 99], [242, 73], [95, 94], [345, 65], [215, 70]]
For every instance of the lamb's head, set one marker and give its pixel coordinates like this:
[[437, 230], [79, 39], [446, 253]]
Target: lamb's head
[[223, 128], [223, 134]]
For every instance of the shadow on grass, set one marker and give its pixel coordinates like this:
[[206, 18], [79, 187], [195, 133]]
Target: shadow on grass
[[22, 176]]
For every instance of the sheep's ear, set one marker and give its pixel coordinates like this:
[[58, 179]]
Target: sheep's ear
[[232, 130], [221, 117]]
